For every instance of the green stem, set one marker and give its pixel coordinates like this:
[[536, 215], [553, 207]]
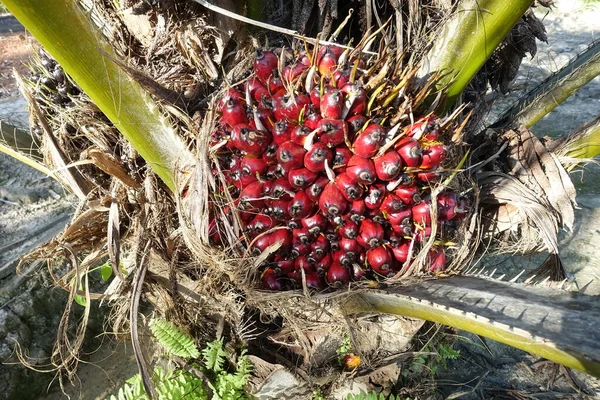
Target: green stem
[[554, 90], [68, 34], [467, 40], [584, 143]]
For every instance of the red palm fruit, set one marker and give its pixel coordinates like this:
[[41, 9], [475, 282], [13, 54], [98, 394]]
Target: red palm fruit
[[437, 259], [327, 62], [428, 176], [358, 273], [332, 202], [332, 131], [368, 141], [375, 195], [355, 124], [370, 234], [376, 215], [256, 89], [380, 260], [410, 152], [314, 281], [419, 128], [402, 217], [284, 238], [351, 247], [314, 191], [291, 155], [290, 107], [433, 156], [265, 117], [341, 156], [300, 249], [249, 140], [315, 96], [314, 160], [391, 204], [337, 275], [408, 194], [356, 98], [315, 224], [275, 83], [234, 113], [269, 157], [299, 134], [341, 77], [253, 166], [447, 205], [279, 209], [311, 118], [281, 187], [331, 104], [349, 188], [304, 59], [301, 206], [334, 245], [260, 243], [400, 252], [320, 246], [292, 72], [303, 264], [361, 170], [246, 179], [273, 170], [392, 239], [270, 281], [422, 213], [357, 208], [388, 166], [302, 178], [423, 234], [260, 223], [339, 256], [348, 228], [251, 196], [246, 216], [230, 94], [264, 64], [282, 131], [283, 267], [323, 265], [314, 258]]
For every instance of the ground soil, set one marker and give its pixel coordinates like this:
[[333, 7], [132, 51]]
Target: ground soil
[[29, 201]]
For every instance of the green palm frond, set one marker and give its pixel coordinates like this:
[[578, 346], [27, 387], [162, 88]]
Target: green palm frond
[[173, 340]]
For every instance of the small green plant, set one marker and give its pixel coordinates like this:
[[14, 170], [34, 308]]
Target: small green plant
[[214, 373], [344, 349], [373, 396]]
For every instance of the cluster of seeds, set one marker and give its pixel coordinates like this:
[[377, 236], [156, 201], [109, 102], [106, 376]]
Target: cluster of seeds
[[311, 169]]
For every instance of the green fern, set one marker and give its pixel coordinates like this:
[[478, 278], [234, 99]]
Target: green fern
[[173, 340], [371, 396], [214, 355]]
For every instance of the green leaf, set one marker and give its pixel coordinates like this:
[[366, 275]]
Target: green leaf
[[214, 355], [173, 340], [106, 271]]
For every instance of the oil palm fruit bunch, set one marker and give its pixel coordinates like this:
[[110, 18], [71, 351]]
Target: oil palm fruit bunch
[[315, 167]]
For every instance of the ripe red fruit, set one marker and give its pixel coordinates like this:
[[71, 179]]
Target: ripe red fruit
[[291, 155], [341, 77], [259, 224], [314, 191], [367, 142], [323, 265], [349, 188], [447, 205], [279, 209], [437, 259], [408, 194], [315, 96], [332, 131], [264, 65], [292, 72], [281, 187], [348, 228], [391, 204], [315, 224], [423, 234], [261, 243], [303, 264], [410, 152], [400, 252], [230, 94], [314, 281], [282, 131], [299, 134], [337, 275], [327, 61], [283, 237], [429, 176], [314, 160], [355, 124], [357, 209], [291, 107], [270, 281], [402, 217], [301, 178], [380, 260], [283, 267], [301, 206], [249, 140], [388, 166], [341, 156], [234, 113], [370, 234], [422, 213], [311, 118], [251, 196], [424, 128], [331, 104], [356, 98], [375, 195], [351, 247], [270, 156], [253, 166], [433, 156], [320, 246], [332, 203], [300, 249], [361, 170], [256, 89]]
